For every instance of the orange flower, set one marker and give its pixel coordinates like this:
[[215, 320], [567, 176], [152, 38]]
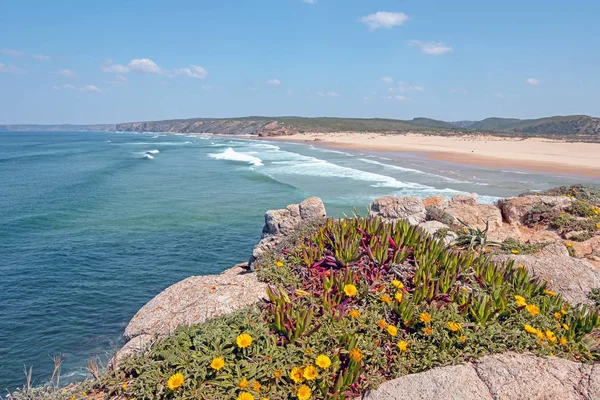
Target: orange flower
[[356, 354], [386, 299], [354, 313], [427, 330], [382, 324], [425, 317]]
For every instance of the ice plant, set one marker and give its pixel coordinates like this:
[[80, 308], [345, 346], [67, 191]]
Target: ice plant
[[427, 330], [392, 330], [514, 251], [244, 340], [323, 361], [279, 263], [551, 336], [304, 392], [310, 373], [549, 293], [397, 284], [175, 381], [533, 309], [217, 363], [454, 326], [255, 386], [350, 290], [245, 396], [356, 354], [297, 374], [402, 345]]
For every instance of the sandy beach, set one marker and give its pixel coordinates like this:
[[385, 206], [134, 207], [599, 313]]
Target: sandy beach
[[527, 154]]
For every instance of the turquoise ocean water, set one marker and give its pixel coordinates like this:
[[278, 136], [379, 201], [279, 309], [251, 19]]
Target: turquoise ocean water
[[93, 225]]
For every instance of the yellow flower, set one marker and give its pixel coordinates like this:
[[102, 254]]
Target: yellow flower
[[425, 317], [392, 330], [386, 299], [540, 334], [310, 373], [454, 326], [563, 341], [243, 383], [566, 327], [350, 290], [124, 385], [323, 361], [304, 392], [264, 398], [255, 386], [277, 374], [549, 293], [551, 336], [563, 312], [521, 266], [245, 396], [399, 285], [356, 354], [297, 374], [521, 302], [354, 313], [514, 251], [462, 339], [597, 226], [557, 315], [279, 263], [175, 381], [382, 324], [402, 345], [398, 297], [217, 363], [427, 330], [533, 309], [308, 351], [244, 340], [529, 329], [569, 244]]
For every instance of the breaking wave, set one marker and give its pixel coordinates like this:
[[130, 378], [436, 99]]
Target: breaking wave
[[232, 155]]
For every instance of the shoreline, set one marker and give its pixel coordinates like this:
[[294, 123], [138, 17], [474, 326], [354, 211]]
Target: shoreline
[[529, 154]]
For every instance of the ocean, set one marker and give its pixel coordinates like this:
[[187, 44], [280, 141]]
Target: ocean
[[95, 224]]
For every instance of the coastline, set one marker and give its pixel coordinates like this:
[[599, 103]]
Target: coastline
[[531, 154]]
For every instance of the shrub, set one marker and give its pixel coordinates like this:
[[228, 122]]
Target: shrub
[[436, 214], [362, 301], [540, 214], [511, 245], [473, 238], [566, 223], [580, 192], [582, 208]]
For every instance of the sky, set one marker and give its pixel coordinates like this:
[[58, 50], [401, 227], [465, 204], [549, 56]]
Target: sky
[[115, 61]]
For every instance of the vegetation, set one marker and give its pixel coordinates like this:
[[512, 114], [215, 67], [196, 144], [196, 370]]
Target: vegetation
[[511, 245], [436, 214], [353, 303]]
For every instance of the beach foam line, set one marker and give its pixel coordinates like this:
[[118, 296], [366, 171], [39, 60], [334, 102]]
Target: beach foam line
[[232, 155]]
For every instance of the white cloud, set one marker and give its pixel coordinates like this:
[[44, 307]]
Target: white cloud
[[12, 52], [403, 88], [498, 95], [457, 91], [387, 79], [533, 81], [88, 88], [41, 57], [11, 69], [194, 71], [399, 98], [431, 48], [384, 19], [109, 66], [67, 73], [273, 82], [144, 66]]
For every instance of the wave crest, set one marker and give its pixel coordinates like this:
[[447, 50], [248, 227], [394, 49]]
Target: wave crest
[[232, 155]]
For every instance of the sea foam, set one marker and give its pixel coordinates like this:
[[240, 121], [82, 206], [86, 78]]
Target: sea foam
[[232, 155]]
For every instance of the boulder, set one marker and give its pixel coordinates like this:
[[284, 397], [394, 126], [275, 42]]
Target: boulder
[[432, 227], [590, 247], [571, 277], [391, 208], [192, 301], [280, 224], [465, 208], [465, 199], [438, 201], [515, 208], [500, 376]]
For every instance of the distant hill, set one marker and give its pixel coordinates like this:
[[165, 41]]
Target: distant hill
[[576, 127]]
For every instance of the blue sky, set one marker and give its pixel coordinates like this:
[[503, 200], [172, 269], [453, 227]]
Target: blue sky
[[115, 61]]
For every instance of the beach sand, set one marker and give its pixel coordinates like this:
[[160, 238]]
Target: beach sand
[[536, 154]]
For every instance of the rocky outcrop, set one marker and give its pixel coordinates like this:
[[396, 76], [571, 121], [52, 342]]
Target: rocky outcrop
[[393, 208], [571, 277], [503, 376], [514, 208], [189, 302], [281, 224]]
